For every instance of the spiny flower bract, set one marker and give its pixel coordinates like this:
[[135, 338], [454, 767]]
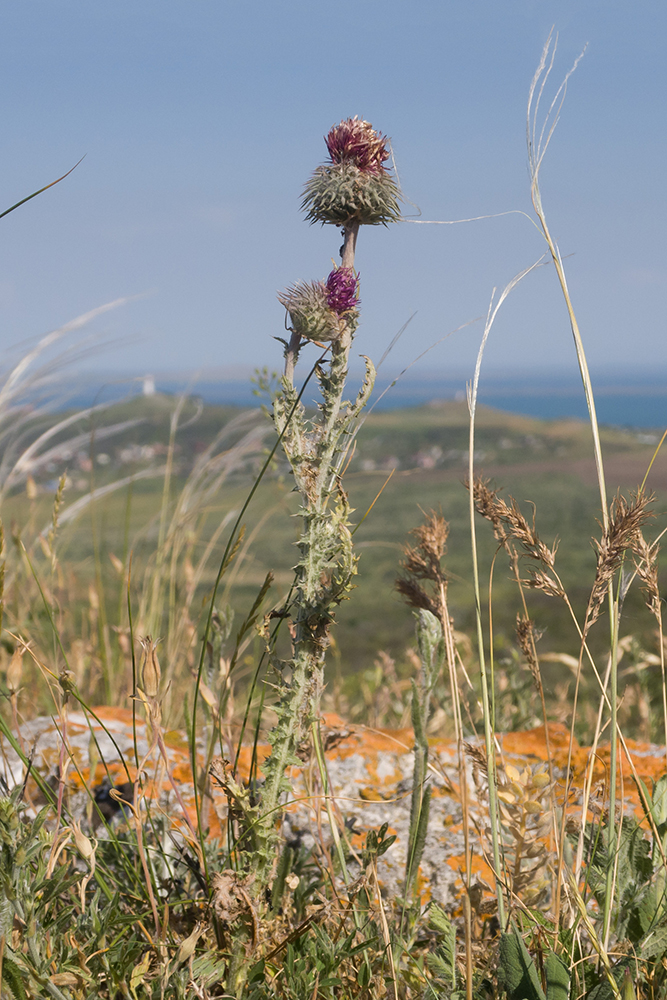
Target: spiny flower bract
[[354, 187], [321, 310]]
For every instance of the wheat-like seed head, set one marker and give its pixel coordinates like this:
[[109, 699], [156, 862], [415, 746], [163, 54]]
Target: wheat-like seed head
[[626, 518]]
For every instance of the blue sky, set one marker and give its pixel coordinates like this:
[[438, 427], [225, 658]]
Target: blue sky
[[201, 120]]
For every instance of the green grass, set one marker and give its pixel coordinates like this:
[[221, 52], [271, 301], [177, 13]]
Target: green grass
[[375, 619]]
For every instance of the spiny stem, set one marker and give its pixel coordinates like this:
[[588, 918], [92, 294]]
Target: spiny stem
[[326, 563]]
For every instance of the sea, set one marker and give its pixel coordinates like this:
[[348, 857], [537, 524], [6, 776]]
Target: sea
[[637, 401]]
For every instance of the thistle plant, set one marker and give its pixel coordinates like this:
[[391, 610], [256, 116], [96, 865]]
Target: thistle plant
[[353, 189]]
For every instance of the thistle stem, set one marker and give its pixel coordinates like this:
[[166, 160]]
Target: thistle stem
[[292, 356], [326, 559], [351, 231]]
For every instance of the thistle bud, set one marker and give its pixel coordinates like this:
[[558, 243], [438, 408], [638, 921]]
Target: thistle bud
[[322, 311], [309, 312], [355, 187], [150, 671]]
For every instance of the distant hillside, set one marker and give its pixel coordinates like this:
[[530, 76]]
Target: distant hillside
[[132, 436]]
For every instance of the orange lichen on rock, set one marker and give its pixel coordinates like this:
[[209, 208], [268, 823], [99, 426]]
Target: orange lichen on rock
[[369, 776], [373, 741], [244, 761], [479, 867], [533, 743], [648, 761], [107, 714]]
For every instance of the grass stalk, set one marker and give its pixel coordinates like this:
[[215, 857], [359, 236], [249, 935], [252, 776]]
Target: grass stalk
[[537, 148], [489, 737]]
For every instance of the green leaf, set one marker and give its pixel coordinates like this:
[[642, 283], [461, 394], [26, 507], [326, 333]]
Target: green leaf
[[12, 980], [603, 990], [557, 976], [364, 975], [210, 968], [443, 962], [516, 969], [655, 944], [658, 800]]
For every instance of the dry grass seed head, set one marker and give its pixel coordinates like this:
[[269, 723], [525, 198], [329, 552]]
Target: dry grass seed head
[[545, 583], [626, 518], [415, 596], [508, 520], [478, 758], [527, 637], [646, 563], [423, 562], [486, 501], [527, 535]]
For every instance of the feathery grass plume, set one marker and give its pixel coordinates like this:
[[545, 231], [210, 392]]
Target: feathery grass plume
[[509, 523], [27, 398], [623, 533], [355, 187]]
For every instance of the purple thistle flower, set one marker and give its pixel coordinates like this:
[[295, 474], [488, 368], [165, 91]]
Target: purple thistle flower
[[356, 142], [342, 290]]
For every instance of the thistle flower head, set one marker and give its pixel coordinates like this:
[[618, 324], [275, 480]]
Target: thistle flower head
[[354, 186], [342, 290], [321, 311], [354, 141]]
